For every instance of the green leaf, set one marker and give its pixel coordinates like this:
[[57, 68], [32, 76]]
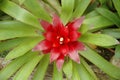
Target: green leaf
[[112, 32], [100, 62], [57, 75], [47, 7], [17, 25], [75, 74], [7, 30], [84, 28], [98, 39], [67, 10], [97, 22], [19, 13], [77, 2], [88, 69], [21, 1], [55, 5], [27, 69], [117, 51], [91, 7], [109, 15], [1, 2], [82, 72], [11, 68], [92, 14], [9, 44], [8, 34], [80, 9], [38, 11], [41, 69], [117, 5], [67, 69], [23, 48], [102, 1]]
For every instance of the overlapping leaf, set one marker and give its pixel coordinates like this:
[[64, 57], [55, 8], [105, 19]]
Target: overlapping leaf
[[96, 59], [112, 32], [67, 69], [23, 48], [117, 5], [55, 5], [67, 10], [57, 75], [80, 8], [98, 39], [9, 44], [19, 13], [11, 68], [25, 71], [117, 52], [37, 10], [41, 69], [93, 76], [97, 22], [109, 15]]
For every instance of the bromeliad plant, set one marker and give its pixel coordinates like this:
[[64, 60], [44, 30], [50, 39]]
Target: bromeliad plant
[[61, 41], [44, 32]]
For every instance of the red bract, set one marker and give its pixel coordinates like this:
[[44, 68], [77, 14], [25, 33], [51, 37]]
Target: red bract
[[61, 41]]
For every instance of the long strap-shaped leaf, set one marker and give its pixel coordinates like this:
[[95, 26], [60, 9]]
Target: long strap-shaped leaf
[[8, 34], [81, 8], [75, 72], [9, 44], [13, 29], [41, 69], [67, 69], [15, 25], [99, 39], [97, 22], [21, 1], [117, 52], [57, 75], [92, 14], [109, 15], [37, 10], [96, 59], [117, 5], [19, 13], [67, 10], [55, 5], [84, 63], [11, 68], [23, 48], [27, 69], [82, 72], [112, 32]]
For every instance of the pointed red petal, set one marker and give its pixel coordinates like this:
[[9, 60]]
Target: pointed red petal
[[50, 36], [59, 62], [73, 54], [54, 54], [43, 45], [78, 45], [76, 23], [47, 26], [56, 21], [74, 35]]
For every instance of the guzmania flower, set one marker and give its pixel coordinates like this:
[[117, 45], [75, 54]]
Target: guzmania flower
[[61, 41]]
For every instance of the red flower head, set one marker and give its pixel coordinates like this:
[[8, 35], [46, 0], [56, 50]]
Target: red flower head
[[61, 41]]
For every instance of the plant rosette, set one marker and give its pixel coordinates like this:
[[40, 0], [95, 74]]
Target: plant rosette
[[36, 39]]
